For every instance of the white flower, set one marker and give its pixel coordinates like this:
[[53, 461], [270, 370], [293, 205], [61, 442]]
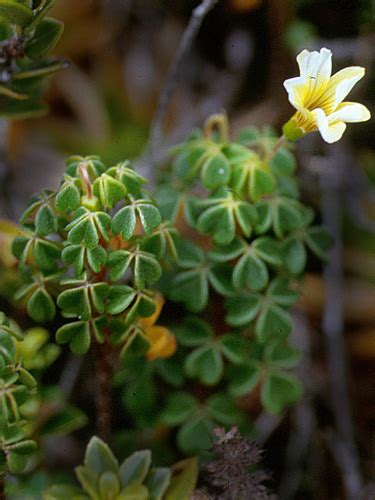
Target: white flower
[[318, 97]]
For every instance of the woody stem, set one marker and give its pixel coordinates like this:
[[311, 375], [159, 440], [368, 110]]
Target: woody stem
[[103, 399]]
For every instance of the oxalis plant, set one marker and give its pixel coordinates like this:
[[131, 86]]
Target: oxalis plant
[[182, 295]]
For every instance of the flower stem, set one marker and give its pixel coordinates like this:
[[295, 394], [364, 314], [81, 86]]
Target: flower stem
[[279, 143], [85, 179], [218, 121], [103, 396]]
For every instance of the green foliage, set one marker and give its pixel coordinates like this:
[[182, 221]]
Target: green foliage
[[17, 385], [196, 420], [93, 249], [102, 478], [258, 226], [248, 240], [27, 38], [94, 252]]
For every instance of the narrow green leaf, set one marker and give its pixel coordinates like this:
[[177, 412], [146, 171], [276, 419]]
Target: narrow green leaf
[[183, 485], [46, 35], [135, 468], [99, 458], [16, 13]]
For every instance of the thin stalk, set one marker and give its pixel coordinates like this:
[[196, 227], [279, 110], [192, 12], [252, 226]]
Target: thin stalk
[[279, 143], [103, 394], [188, 37], [85, 179], [217, 122]]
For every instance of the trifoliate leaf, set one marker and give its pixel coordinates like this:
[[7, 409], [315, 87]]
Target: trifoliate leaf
[[280, 390], [283, 162], [147, 270], [243, 378], [68, 196], [206, 364], [251, 272], [273, 322], [180, 406], [215, 171], [41, 307], [281, 354], [109, 190], [223, 409], [195, 435], [319, 241], [235, 348], [242, 309], [119, 299], [294, 255]]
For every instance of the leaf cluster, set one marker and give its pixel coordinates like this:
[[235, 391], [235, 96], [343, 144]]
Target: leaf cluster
[[93, 249], [245, 237], [102, 478], [27, 36], [17, 385]]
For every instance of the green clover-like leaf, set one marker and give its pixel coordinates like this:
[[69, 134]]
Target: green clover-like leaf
[[83, 298], [251, 177], [69, 195], [109, 190], [125, 220], [220, 215], [88, 227], [280, 390]]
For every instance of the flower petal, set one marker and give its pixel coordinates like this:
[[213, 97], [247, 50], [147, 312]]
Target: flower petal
[[316, 65], [296, 88], [330, 132], [343, 81], [315, 68], [163, 342], [151, 320], [350, 112]]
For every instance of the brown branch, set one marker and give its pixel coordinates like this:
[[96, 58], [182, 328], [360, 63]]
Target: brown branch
[[103, 393], [197, 17]]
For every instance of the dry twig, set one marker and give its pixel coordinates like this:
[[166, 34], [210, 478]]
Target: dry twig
[[197, 17]]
